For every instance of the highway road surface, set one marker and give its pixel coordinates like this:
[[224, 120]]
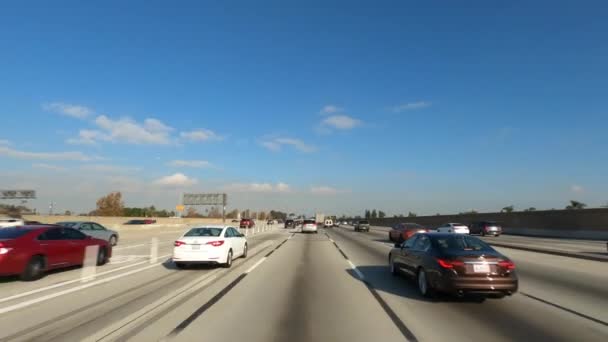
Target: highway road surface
[[330, 286]]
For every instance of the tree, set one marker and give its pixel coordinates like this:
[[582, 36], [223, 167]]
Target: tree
[[576, 205], [232, 214], [530, 209], [262, 215], [246, 213], [191, 212], [374, 214], [215, 212], [67, 213], [411, 214], [381, 214], [110, 205], [508, 209], [254, 215], [368, 214]]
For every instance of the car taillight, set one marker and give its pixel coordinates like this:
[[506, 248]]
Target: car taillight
[[4, 250], [215, 243], [178, 243], [449, 263], [508, 264]]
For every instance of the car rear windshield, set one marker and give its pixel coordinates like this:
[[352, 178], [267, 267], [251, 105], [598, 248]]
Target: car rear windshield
[[363, 222], [309, 222], [460, 243], [204, 232], [12, 233], [67, 224]]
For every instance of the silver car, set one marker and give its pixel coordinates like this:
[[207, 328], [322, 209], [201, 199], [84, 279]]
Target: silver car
[[93, 229]]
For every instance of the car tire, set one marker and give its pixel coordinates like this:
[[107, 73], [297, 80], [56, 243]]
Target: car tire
[[245, 251], [228, 263], [390, 237], [113, 240], [102, 256], [391, 265], [483, 233], [180, 265], [34, 269], [424, 288]]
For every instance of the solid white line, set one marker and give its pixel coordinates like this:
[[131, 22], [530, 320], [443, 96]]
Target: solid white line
[[73, 289], [359, 274], [24, 294], [332, 240], [255, 265]]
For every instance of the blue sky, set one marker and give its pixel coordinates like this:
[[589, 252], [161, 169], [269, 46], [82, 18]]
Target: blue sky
[[334, 106]]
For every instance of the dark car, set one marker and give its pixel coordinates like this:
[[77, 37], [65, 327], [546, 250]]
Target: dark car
[[144, 221], [29, 251], [403, 231], [290, 224], [454, 263], [247, 223], [484, 228], [362, 226]]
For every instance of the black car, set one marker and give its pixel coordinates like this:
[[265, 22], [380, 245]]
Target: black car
[[362, 226], [290, 224], [454, 263], [485, 228]]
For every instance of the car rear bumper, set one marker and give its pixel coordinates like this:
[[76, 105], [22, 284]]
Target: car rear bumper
[[487, 285], [208, 256], [309, 229]]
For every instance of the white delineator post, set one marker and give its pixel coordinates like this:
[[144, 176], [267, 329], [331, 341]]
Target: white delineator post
[[153, 250], [89, 264]]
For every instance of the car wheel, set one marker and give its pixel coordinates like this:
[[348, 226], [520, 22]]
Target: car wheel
[[101, 256], [245, 251], [34, 269], [392, 267], [423, 284], [113, 240], [483, 233], [180, 265], [390, 237], [228, 263]]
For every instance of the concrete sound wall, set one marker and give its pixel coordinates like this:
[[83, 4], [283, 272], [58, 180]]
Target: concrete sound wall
[[584, 224]]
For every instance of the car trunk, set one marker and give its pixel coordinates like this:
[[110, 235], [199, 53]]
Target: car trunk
[[477, 263], [199, 243]]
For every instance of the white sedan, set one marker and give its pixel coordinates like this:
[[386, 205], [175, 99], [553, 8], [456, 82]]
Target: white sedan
[[209, 245], [457, 228]]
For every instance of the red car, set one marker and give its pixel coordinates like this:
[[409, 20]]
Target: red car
[[29, 251], [247, 223], [403, 231]]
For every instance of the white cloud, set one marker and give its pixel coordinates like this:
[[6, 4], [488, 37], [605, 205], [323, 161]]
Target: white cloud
[[323, 190], [257, 187], [200, 135], [105, 168], [330, 109], [277, 143], [341, 122], [88, 137], [75, 111], [12, 153], [4, 142], [411, 106], [151, 131], [48, 167], [190, 163], [177, 179], [577, 189]]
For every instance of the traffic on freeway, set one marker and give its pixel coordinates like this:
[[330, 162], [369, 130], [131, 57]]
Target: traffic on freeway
[[289, 284]]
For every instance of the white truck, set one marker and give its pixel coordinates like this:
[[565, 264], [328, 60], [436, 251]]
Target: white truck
[[320, 218]]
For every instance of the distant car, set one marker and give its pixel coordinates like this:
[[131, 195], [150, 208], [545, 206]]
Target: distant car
[[336, 223], [144, 221], [32, 223], [270, 222], [362, 226], [454, 263], [209, 245], [485, 228], [93, 229], [247, 223], [290, 224], [30, 251], [345, 223], [457, 228], [309, 226], [6, 222], [403, 231], [328, 223]]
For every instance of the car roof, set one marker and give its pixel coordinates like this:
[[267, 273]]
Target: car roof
[[213, 226]]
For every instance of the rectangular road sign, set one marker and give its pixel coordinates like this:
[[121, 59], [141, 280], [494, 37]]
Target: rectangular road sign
[[204, 199], [17, 194]]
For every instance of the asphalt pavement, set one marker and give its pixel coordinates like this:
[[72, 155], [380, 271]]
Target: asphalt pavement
[[330, 286]]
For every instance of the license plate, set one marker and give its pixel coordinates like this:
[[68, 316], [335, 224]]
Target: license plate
[[196, 247], [481, 268]]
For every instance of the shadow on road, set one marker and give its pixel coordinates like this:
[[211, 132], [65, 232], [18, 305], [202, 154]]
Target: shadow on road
[[14, 278], [380, 278]]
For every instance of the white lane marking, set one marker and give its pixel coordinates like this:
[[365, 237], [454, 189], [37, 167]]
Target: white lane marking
[[113, 331], [73, 289], [255, 265], [50, 287], [153, 250], [142, 245], [354, 268]]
